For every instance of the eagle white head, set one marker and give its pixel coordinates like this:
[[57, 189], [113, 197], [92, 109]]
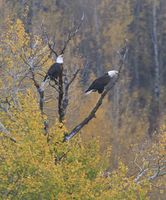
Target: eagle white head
[[59, 59], [113, 73]]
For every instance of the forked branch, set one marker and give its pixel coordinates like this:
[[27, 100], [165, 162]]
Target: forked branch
[[48, 41], [72, 34], [30, 64]]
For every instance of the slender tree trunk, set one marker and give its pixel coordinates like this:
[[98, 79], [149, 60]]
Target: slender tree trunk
[[98, 39], [135, 51], [154, 113], [136, 46], [156, 55]]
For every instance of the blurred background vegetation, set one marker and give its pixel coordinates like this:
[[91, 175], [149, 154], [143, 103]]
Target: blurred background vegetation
[[132, 118]]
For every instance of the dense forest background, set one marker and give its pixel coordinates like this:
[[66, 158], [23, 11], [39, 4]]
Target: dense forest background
[[133, 114]]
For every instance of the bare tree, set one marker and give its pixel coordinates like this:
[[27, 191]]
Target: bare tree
[[63, 82]]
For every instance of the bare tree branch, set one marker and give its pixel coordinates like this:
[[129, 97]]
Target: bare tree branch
[[99, 103], [40, 92], [66, 89], [73, 78], [54, 86], [141, 173], [159, 169], [52, 49], [72, 34], [6, 132], [30, 64], [48, 41], [155, 165]]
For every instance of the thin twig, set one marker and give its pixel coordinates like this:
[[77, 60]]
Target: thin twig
[[6, 133], [72, 34], [48, 41], [66, 89]]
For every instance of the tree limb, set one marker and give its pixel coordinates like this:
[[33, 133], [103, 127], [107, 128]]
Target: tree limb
[[48, 41], [99, 103], [141, 173], [72, 34], [52, 49], [6, 132], [66, 89], [73, 78], [30, 64], [40, 92]]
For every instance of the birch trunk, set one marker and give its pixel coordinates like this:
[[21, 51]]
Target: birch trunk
[[154, 107], [156, 55]]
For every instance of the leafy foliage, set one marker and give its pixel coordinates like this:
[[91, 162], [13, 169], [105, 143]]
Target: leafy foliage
[[39, 166]]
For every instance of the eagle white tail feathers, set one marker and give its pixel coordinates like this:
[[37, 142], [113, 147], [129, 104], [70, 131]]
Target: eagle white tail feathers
[[88, 92]]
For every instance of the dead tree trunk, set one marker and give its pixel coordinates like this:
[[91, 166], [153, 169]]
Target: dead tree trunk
[[60, 99], [63, 85]]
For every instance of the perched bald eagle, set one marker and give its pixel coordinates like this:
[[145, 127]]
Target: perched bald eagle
[[53, 72], [100, 83]]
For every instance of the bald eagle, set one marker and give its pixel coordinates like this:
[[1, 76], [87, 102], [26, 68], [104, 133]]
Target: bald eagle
[[53, 72], [100, 83]]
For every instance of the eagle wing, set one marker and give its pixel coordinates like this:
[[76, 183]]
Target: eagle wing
[[99, 84], [54, 71]]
